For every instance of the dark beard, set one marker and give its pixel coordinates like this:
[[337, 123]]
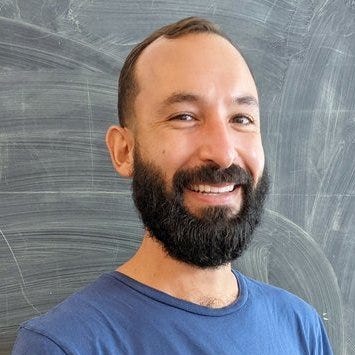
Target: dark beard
[[214, 238]]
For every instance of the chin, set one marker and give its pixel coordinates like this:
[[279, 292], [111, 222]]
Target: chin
[[203, 212]]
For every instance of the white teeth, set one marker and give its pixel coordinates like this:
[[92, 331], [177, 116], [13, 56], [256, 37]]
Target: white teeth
[[212, 189]]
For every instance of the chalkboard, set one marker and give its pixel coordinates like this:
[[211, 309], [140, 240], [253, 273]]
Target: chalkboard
[[65, 215]]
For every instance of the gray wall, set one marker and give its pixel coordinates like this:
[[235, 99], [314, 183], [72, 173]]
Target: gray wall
[[66, 217]]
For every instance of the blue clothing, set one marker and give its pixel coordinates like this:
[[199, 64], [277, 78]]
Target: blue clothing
[[118, 315]]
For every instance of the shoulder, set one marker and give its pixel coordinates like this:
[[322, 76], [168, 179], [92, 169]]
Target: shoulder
[[279, 303], [269, 293], [286, 314], [80, 316]]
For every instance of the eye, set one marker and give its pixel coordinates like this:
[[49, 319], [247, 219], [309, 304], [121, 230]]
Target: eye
[[243, 119], [183, 117]]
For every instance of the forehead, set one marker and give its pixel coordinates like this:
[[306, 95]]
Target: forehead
[[206, 64]]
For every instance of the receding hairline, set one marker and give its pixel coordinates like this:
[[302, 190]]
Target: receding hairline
[[139, 65], [128, 81], [184, 36]]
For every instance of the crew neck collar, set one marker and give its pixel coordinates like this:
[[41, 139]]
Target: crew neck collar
[[162, 297]]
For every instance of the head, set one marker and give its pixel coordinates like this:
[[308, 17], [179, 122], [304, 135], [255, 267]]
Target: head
[[189, 136]]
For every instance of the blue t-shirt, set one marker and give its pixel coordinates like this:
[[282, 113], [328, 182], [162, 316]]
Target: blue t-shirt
[[118, 315]]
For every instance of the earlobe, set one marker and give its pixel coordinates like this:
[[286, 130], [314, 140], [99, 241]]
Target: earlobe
[[119, 141]]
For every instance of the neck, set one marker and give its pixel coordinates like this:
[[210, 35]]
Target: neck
[[211, 287]]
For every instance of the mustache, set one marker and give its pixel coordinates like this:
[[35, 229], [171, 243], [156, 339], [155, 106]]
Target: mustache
[[211, 174]]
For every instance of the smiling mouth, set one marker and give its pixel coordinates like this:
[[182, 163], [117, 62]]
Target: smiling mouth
[[210, 189]]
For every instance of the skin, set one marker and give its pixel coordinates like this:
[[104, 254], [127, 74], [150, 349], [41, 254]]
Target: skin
[[197, 104]]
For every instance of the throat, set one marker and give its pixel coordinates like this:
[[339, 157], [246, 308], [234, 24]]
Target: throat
[[152, 266], [209, 297], [216, 302]]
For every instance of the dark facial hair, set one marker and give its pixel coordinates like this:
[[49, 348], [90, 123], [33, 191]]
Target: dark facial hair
[[215, 237]]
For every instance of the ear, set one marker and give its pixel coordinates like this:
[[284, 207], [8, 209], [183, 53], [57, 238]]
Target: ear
[[120, 143]]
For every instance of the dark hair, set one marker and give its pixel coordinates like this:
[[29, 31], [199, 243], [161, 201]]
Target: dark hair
[[127, 83]]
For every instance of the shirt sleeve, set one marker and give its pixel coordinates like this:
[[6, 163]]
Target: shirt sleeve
[[29, 342], [323, 346]]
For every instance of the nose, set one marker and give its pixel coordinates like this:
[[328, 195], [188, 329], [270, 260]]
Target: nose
[[218, 144]]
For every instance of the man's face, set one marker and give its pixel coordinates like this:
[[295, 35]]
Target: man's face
[[197, 106], [198, 160]]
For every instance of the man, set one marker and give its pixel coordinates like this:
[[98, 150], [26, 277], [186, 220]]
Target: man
[[189, 137]]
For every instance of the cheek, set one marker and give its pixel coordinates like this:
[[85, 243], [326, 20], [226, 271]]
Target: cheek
[[254, 159], [258, 161], [169, 153], [175, 155]]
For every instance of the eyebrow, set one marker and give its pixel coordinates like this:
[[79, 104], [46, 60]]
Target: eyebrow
[[246, 100], [179, 97]]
